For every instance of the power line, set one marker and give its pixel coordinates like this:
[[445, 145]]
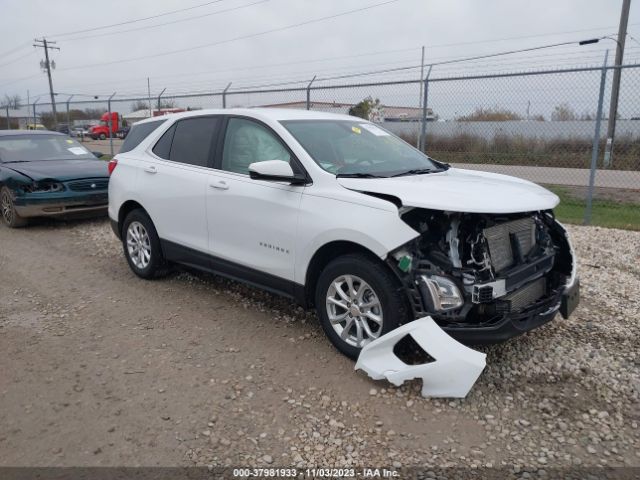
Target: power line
[[471, 64], [191, 88], [242, 37], [136, 20], [303, 76], [20, 80], [16, 49], [306, 23], [522, 37], [164, 24], [458, 60], [17, 59], [262, 66]]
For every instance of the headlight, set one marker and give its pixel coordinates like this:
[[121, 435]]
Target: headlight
[[443, 294], [43, 187]]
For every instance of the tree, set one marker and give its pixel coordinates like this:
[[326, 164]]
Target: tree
[[14, 102], [167, 104], [491, 114], [139, 105], [563, 113], [369, 109]]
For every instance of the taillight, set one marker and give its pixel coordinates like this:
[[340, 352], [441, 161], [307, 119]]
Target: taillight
[[112, 165]]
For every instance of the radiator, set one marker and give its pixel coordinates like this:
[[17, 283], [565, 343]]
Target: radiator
[[499, 240], [523, 297]]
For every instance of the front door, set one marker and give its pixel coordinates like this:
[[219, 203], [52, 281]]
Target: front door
[[252, 223]]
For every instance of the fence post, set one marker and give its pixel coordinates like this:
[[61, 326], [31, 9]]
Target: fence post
[[160, 95], [224, 96], [68, 116], [309, 92], [423, 132], [8, 119], [34, 113], [596, 142], [110, 124]]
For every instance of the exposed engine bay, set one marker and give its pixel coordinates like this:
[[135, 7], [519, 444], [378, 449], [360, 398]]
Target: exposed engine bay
[[476, 270]]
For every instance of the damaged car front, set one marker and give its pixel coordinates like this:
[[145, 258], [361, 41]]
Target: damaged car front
[[488, 260], [48, 174], [486, 277]]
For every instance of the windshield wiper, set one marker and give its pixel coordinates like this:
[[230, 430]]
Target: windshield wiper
[[358, 175], [16, 161], [416, 171]]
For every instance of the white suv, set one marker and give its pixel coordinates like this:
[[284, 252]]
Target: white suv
[[341, 215]]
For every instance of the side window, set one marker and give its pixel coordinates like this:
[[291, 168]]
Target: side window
[[162, 147], [247, 142], [138, 133], [193, 139]]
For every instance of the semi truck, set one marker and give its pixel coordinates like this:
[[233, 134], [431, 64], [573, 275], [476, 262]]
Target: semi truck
[[101, 131]]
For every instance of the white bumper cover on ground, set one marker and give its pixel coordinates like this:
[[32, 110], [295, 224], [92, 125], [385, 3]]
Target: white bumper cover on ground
[[454, 371]]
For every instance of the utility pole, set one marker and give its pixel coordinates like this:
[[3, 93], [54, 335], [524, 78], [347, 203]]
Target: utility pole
[[47, 64], [615, 87]]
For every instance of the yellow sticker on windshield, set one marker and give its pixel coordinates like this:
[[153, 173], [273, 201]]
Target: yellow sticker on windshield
[[70, 141], [356, 130]]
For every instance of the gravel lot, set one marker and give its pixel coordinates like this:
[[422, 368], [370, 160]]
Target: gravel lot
[[101, 368]]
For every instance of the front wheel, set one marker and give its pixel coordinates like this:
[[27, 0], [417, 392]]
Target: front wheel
[[8, 210], [358, 300], [102, 136], [141, 246]]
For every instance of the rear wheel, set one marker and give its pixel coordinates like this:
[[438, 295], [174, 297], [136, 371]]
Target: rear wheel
[[102, 136], [358, 300], [8, 210], [141, 246]]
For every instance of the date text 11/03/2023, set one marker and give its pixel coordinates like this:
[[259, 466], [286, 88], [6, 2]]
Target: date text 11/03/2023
[[316, 472]]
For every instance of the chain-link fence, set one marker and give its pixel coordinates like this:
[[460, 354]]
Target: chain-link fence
[[540, 126]]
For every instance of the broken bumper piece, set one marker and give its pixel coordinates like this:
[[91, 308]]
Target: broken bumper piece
[[452, 374]]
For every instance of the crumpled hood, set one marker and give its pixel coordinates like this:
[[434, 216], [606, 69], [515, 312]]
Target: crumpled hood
[[458, 190], [62, 170]]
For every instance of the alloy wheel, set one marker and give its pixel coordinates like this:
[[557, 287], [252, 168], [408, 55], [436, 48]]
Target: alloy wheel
[[7, 207], [138, 245], [354, 310]]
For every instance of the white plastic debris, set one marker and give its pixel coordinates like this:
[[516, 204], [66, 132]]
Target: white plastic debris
[[454, 371]]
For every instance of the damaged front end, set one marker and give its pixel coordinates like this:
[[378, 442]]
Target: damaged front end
[[486, 277]]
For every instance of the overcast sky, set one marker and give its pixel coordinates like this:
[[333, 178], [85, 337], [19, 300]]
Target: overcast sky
[[386, 36]]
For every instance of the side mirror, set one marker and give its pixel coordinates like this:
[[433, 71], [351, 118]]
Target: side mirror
[[275, 171], [98, 154]]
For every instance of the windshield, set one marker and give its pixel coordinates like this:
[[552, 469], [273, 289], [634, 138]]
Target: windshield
[[29, 148], [358, 148]]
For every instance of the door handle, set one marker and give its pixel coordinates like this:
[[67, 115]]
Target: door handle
[[151, 169], [220, 185]]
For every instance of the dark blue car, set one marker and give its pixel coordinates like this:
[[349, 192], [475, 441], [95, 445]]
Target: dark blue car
[[48, 174]]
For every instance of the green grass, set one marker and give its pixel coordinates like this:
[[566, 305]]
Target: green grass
[[605, 213]]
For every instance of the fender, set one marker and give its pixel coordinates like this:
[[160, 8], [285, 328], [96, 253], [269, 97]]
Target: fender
[[328, 220]]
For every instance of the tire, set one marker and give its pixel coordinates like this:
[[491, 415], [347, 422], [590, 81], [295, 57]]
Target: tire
[[141, 246], [102, 136], [377, 283], [8, 210]]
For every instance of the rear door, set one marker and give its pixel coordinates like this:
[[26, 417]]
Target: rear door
[[173, 184], [252, 223]]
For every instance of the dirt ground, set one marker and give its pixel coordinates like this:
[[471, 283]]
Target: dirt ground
[[102, 368]]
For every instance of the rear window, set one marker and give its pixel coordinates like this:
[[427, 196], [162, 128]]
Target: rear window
[[138, 133], [193, 140]]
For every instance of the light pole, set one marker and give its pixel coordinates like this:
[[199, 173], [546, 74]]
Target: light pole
[[615, 86]]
